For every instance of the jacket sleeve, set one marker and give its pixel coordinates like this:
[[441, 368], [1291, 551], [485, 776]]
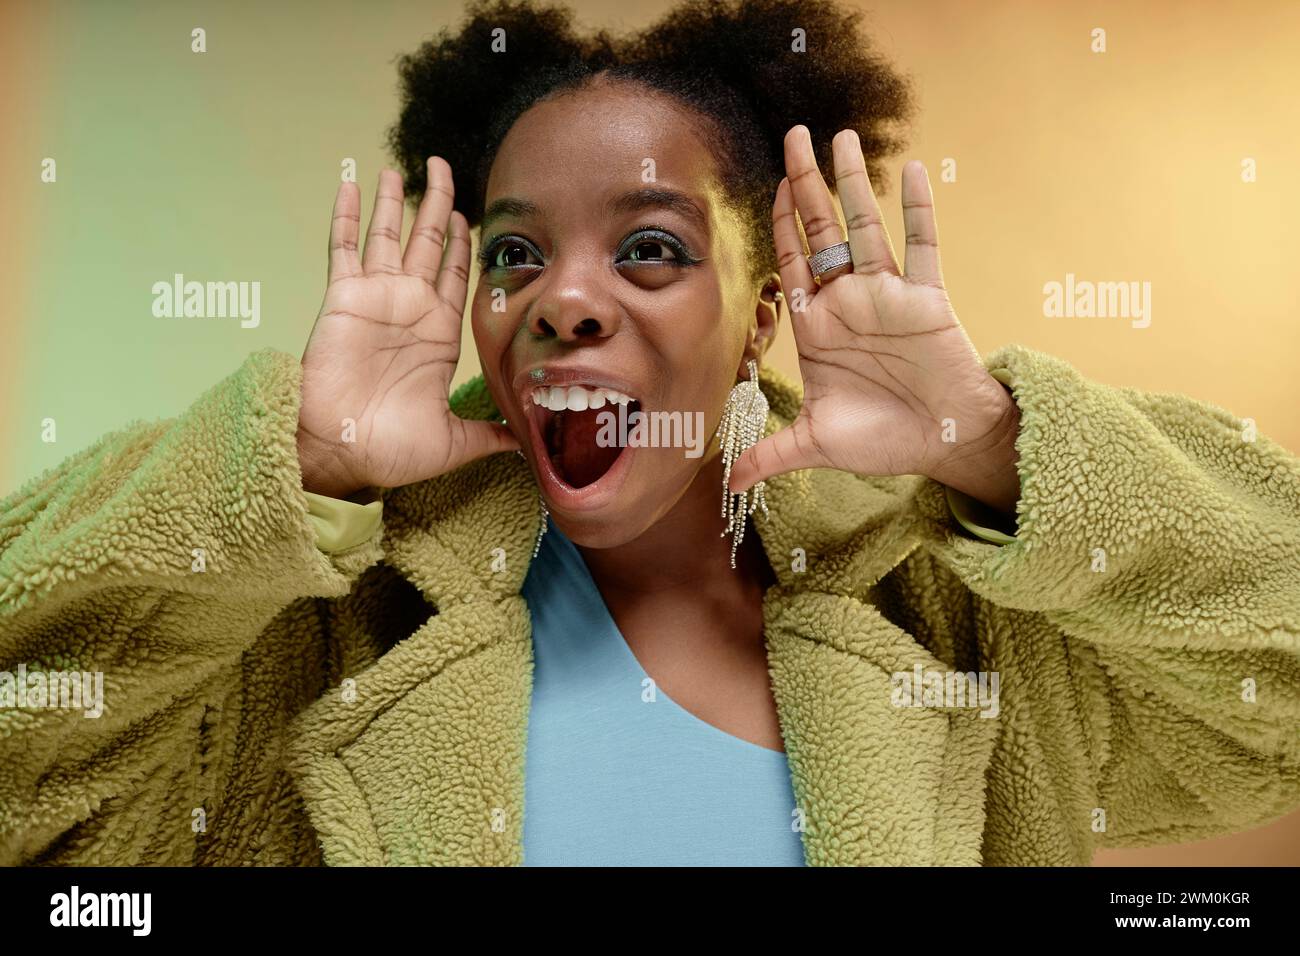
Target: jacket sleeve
[[153, 560], [340, 524], [1144, 616]]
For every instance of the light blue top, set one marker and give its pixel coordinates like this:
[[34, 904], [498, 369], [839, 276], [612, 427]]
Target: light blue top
[[615, 778]]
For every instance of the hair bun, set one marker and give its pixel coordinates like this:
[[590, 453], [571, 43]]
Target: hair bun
[[792, 62], [754, 68]]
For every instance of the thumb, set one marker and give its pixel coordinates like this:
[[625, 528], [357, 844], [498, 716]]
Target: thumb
[[480, 438], [788, 450]]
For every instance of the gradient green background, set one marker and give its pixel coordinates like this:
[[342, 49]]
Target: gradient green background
[[220, 165], [223, 166]]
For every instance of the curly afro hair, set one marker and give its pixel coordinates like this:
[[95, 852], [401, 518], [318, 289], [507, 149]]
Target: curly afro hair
[[732, 62]]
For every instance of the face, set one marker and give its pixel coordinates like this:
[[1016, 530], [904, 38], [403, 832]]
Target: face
[[613, 274]]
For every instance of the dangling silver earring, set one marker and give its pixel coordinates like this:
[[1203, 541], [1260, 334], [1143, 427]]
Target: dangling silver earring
[[741, 427], [546, 517], [541, 504]]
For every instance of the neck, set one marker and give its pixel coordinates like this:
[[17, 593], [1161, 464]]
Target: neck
[[684, 550]]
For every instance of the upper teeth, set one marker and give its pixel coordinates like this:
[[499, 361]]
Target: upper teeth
[[577, 398]]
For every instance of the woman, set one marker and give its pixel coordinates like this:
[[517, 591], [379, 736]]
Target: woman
[[980, 614]]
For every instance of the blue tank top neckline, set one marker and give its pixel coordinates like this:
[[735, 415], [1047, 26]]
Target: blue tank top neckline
[[616, 772]]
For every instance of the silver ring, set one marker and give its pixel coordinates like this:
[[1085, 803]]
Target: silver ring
[[832, 257]]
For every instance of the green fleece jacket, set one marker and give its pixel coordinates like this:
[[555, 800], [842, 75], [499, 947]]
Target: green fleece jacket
[[268, 701]]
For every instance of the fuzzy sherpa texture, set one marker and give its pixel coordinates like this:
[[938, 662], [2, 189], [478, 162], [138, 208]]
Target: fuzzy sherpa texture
[[266, 702]]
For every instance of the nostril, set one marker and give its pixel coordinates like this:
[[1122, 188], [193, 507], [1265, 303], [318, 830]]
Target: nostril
[[561, 329]]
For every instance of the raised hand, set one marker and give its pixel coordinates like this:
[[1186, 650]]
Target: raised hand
[[892, 385], [379, 362]]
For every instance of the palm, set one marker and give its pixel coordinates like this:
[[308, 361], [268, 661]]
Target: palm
[[379, 363], [881, 361], [892, 384]]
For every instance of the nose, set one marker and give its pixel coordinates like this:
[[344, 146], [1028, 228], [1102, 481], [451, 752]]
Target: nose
[[574, 305]]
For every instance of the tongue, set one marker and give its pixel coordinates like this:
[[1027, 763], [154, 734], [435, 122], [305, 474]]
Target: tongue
[[571, 440]]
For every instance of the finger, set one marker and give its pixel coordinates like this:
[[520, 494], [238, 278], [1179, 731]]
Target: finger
[[479, 438], [429, 231], [453, 274], [345, 228], [868, 237], [812, 198], [791, 261], [383, 252], [921, 260], [788, 450]]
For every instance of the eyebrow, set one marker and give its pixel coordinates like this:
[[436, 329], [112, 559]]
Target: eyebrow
[[638, 199], [501, 208], [632, 201]]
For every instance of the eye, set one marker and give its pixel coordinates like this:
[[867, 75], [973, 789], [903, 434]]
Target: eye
[[509, 252], [654, 245], [647, 250]]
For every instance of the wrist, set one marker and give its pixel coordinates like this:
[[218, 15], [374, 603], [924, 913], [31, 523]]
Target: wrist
[[987, 468], [322, 472]]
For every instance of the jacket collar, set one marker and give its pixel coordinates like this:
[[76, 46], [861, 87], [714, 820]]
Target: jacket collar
[[424, 764]]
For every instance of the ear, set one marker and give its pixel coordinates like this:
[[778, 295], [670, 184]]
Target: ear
[[768, 308]]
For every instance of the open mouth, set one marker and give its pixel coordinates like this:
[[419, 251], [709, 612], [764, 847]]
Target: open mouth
[[575, 422]]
